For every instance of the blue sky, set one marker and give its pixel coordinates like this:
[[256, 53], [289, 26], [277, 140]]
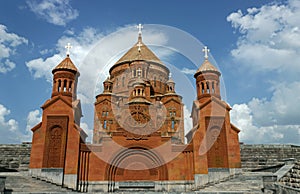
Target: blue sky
[[255, 44]]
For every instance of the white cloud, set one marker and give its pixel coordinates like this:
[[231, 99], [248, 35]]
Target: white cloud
[[8, 127], [269, 42], [8, 43], [270, 37], [242, 117], [188, 71], [88, 131], [55, 11], [33, 118]]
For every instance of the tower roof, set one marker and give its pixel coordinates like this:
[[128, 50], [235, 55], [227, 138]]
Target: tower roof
[[66, 64], [139, 51], [207, 66]]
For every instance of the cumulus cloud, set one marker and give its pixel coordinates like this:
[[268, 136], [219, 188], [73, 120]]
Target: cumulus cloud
[[55, 11], [9, 128], [33, 118], [242, 117], [269, 43], [270, 37], [88, 131], [8, 44], [188, 71]]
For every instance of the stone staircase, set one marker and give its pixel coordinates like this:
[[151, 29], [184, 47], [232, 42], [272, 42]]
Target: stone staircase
[[292, 177], [14, 156], [257, 157], [21, 183], [247, 182]]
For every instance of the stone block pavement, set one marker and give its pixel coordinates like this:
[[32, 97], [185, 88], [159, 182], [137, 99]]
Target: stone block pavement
[[248, 182]]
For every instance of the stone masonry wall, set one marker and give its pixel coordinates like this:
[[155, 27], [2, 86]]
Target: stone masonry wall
[[260, 156], [16, 156]]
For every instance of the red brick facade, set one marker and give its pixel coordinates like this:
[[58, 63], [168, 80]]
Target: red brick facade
[[138, 127]]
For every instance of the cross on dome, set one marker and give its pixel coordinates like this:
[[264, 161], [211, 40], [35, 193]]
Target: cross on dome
[[206, 51], [68, 47], [170, 75], [140, 27]]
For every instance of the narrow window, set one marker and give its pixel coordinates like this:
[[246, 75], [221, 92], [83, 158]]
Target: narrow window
[[104, 124], [202, 87], [70, 86], [213, 88], [59, 86], [154, 81], [65, 85], [173, 124], [207, 87]]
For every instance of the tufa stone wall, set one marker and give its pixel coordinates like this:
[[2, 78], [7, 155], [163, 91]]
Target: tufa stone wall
[[14, 156], [254, 157]]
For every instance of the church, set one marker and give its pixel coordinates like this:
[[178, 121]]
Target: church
[[138, 138]]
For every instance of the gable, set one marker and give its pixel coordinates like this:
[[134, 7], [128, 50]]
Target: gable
[[56, 100], [216, 102]]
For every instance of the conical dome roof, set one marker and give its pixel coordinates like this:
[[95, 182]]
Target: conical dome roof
[[139, 51], [66, 64], [207, 67]]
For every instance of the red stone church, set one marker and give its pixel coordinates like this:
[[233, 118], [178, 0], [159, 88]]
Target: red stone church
[[138, 139]]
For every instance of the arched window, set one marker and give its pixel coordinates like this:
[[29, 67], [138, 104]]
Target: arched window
[[70, 86], [154, 81], [202, 87], [207, 87], [59, 86], [123, 81], [213, 87], [65, 85]]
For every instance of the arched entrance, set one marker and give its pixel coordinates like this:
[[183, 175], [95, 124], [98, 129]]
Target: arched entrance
[[136, 164]]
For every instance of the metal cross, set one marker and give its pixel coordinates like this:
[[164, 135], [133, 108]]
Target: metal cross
[[206, 51], [68, 47], [170, 75], [140, 27]]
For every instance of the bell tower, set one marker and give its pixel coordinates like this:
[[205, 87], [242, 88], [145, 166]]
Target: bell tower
[[207, 79], [65, 77]]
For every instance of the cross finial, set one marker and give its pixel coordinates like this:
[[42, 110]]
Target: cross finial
[[140, 27], [170, 75], [206, 51], [68, 47]]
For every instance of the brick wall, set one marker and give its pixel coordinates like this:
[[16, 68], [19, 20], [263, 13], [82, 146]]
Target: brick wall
[[16, 156]]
